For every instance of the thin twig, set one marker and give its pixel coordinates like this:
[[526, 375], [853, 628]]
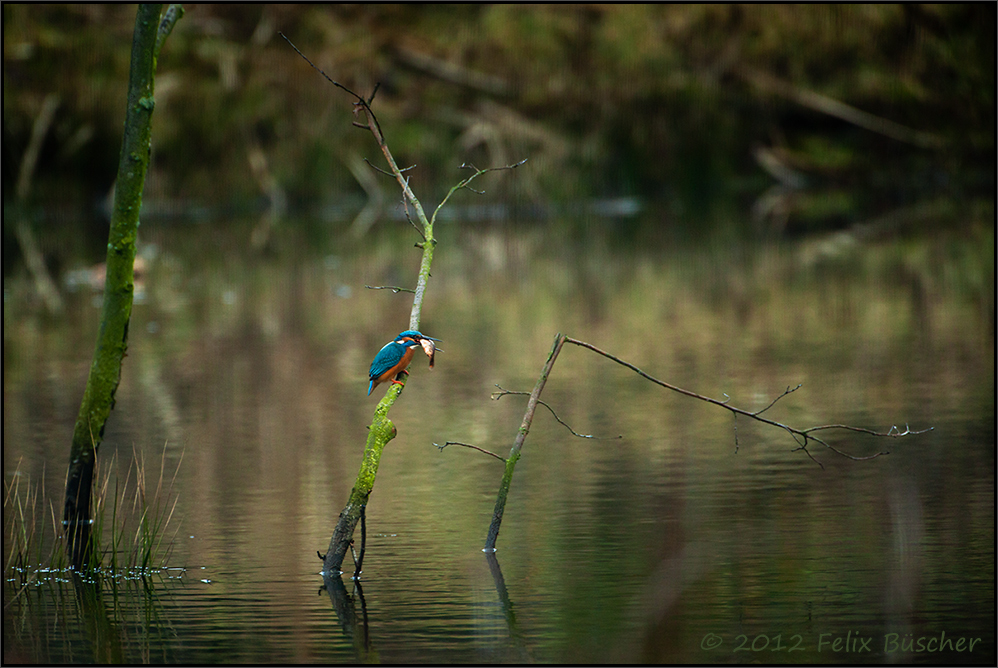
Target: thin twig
[[464, 184], [735, 416], [317, 69], [405, 208], [393, 288], [809, 455], [498, 395], [473, 447], [386, 173], [893, 432], [364, 105], [378, 169], [773, 402]]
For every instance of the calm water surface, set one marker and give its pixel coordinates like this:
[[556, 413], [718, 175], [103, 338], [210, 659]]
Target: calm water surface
[[691, 538]]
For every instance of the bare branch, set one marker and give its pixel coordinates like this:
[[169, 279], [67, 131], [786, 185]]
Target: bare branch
[[501, 393], [363, 105], [317, 69], [847, 455], [808, 453], [375, 167], [473, 447], [521, 437], [800, 436], [393, 288]]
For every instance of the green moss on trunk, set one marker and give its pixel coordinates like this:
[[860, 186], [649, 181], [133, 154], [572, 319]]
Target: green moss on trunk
[[112, 340], [382, 430]]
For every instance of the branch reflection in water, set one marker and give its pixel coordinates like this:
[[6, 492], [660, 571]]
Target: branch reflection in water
[[356, 627], [357, 630]]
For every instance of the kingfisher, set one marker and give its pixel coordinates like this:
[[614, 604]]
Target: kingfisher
[[395, 356]]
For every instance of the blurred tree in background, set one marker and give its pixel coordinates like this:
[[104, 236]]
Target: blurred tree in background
[[697, 108]]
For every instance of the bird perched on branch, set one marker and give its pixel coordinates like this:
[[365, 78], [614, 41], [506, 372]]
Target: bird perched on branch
[[395, 356]]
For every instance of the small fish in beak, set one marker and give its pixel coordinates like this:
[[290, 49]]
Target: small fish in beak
[[429, 348]]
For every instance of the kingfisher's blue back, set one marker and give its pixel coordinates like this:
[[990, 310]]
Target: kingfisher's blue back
[[389, 356]]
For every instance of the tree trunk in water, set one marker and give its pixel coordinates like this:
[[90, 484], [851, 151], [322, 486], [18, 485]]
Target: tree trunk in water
[[105, 370]]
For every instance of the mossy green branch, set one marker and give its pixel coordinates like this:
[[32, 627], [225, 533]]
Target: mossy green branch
[[112, 339], [381, 431], [424, 277]]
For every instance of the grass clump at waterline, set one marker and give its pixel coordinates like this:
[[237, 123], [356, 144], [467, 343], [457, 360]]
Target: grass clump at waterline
[[134, 529]]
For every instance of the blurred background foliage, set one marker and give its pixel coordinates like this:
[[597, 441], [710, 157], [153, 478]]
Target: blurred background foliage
[[700, 112]]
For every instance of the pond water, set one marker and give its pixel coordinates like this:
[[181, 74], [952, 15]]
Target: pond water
[[677, 534]]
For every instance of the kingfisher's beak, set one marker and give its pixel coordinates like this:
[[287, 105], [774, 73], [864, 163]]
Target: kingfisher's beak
[[429, 337]]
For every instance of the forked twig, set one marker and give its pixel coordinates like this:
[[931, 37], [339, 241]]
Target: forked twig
[[772, 403], [464, 184]]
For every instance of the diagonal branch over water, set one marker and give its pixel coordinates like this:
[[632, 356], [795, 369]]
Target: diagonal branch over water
[[800, 436]]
